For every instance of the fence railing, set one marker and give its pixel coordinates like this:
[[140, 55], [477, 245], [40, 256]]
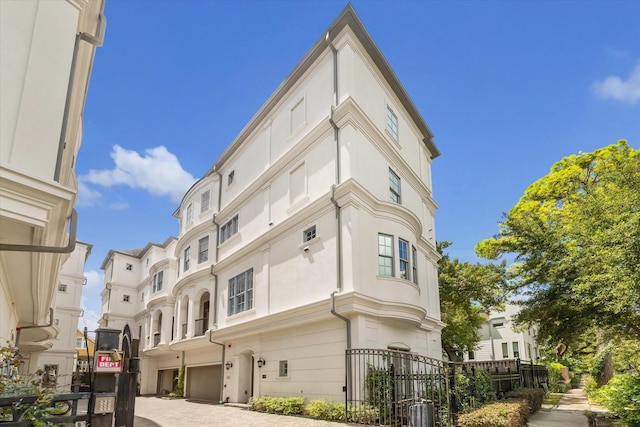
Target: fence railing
[[387, 387], [201, 326], [64, 408]]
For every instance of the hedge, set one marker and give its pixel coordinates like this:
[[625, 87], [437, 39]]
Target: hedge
[[509, 413]]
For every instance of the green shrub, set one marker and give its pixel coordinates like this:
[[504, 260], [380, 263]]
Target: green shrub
[[278, 405], [533, 396], [510, 413], [557, 384], [473, 389], [326, 410], [621, 395]]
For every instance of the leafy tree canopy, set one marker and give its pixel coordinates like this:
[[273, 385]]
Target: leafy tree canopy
[[467, 293], [575, 234]]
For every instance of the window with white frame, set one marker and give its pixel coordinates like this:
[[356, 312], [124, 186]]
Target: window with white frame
[[229, 229], [385, 255], [231, 177], [62, 287], [126, 298], [283, 368], [157, 280], [505, 350], [516, 349], [472, 355], [414, 264], [187, 258], [241, 293], [80, 343], [297, 115], [203, 249], [189, 218], [394, 187], [205, 200], [403, 255], [309, 234], [392, 123]]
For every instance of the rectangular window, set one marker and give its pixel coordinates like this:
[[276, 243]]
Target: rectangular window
[[516, 350], [297, 115], [498, 325], [187, 258], [472, 355], [189, 214], [403, 254], [505, 350], [81, 343], [204, 201], [241, 292], [309, 234], [394, 187], [229, 229], [392, 123], [414, 264], [157, 282], [203, 249], [231, 177], [385, 255], [125, 298], [283, 368], [62, 287]]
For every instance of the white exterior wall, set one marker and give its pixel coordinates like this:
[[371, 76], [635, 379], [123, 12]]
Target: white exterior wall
[[284, 166]]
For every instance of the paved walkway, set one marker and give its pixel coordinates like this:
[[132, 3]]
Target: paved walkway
[[157, 412], [570, 412]]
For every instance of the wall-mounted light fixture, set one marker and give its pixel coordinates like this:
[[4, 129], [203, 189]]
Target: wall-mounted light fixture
[[261, 362], [228, 365]]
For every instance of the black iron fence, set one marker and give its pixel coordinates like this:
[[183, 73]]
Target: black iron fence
[[25, 411], [396, 388]]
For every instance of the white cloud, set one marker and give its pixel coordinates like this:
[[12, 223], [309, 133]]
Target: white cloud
[[157, 171], [87, 197], [95, 279], [613, 87]]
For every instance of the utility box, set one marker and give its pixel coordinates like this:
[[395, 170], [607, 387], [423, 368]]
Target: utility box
[[421, 414], [107, 339]]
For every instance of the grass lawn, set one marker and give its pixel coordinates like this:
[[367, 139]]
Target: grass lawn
[[552, 399]]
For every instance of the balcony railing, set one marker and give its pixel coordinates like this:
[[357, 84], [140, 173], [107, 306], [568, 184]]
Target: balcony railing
[[156, 340], [201, 326], [183, 335]]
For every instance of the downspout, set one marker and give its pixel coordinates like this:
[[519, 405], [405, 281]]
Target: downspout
[[221, 366], [215, 170], [215, 297], [96, 41], [18, 330], [73, 227]]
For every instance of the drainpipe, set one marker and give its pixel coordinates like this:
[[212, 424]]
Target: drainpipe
[[215, 170], [96, 41], [221, 365], [341, 317], [215, 297], [18, 330], [73, 227]]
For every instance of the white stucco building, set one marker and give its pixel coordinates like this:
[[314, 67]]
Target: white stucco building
[[62, 356], [46, 54], [312, 233], [501, 339]]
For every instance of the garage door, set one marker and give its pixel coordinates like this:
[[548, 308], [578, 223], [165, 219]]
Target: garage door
[[203, 382]]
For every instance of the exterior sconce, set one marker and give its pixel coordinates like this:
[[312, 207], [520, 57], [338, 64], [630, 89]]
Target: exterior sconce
[[261, 362], [228, 365]]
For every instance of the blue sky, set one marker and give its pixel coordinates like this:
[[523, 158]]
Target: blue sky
[[507, 87]]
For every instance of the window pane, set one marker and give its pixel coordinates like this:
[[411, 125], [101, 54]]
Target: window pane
[[394, 187], [403, 254]]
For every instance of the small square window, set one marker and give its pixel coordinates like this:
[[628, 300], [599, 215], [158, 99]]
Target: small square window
[[309, 234], [231, 177], [283, 368], [62, 287], [126, 298], [129, 267]]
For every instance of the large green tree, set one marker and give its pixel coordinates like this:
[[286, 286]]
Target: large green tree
[[467, 293], [575, 235]]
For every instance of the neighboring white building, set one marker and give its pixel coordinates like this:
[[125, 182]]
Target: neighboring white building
[[62, 356], [46, 54], [312, 233], [502, 340]]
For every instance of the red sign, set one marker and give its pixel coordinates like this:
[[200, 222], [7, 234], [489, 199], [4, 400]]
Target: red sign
[[105, 362]]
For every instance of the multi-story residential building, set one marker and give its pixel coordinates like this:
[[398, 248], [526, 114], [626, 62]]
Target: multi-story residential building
[[85, 348], [61, 357], [501, 339], [311, 234], [46, 54]]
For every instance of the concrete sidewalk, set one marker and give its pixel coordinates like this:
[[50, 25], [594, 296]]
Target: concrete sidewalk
[[570, 412]]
